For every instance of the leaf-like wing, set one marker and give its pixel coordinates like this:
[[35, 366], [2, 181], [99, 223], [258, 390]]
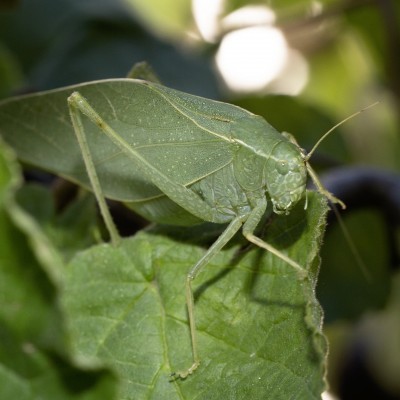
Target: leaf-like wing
[[185, 136]]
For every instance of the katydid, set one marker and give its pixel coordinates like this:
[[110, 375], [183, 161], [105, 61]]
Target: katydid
[[258, 167], [186, 160]]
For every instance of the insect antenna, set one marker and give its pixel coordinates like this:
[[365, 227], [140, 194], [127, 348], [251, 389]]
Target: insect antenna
[[332, 199], [313, 174], [325, 135], [353, 248]]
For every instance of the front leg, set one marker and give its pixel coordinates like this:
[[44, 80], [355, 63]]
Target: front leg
[[222, 240], [248, 232]]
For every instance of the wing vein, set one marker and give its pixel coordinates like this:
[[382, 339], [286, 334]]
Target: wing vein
[[226, 139]]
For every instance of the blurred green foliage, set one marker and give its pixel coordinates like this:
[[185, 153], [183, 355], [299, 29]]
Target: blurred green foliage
[[352, 49]]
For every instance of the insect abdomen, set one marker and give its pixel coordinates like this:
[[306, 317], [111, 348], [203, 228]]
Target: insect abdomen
[[164, 211]]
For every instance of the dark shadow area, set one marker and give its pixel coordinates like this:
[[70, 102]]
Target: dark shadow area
[[367, 187]]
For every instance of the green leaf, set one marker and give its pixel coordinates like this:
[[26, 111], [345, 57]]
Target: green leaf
[[100, 33], [10, 73], [70, 230], [259, 327], [34, 360]]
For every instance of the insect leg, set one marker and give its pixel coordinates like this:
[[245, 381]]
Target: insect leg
[[321, 189], [222, 240], [91, 170], [248, 232], [142, 70]]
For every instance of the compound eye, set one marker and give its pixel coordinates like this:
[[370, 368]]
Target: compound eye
[[283, 167]]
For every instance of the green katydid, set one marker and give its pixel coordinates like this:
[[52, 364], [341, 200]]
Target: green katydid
[[256, 162], [190, 160]]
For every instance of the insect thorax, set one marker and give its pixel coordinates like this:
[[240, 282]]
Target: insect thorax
[[286, 176], [269, 160], [222, 191]]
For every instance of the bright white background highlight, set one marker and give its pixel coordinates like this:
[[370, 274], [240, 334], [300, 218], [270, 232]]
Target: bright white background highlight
[[207, 15], [250, 58], [253, 56], [328, 396], [249, 16]]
